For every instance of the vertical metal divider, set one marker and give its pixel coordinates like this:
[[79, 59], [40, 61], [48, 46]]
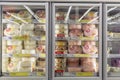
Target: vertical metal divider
[[53, 38], [50, 42], [104, 42], [1, 40], [100, 41], [47, 42]]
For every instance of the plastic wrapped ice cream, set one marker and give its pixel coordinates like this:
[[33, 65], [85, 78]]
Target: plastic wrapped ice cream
[[91, 15], [75, 33], [12, 67], [8, 16], [61, 26], [73, 62], [25, 27], [74, 69], [41, 14], [60, 15], [29, 42], [14, 42], [4, 43], [74, 42], [59, 47], [13, 64], [74, 49], [14, 49], [39, 33], [4, 64], [115, 62], [60, 63], [24, 14], [89, 47], [61, 31], [12, 30], [14, 46], [28, 59], [28, 33], [28, 51], [90, 30], [41, 63], [39, 27], [89, 65], [41, 49], [61, 42], [59, 60], [41, 42], [29, 47], [74, 26], [26, 65]]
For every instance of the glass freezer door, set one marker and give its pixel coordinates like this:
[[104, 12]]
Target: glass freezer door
[[77, 40], [24, 40], [113, 40]]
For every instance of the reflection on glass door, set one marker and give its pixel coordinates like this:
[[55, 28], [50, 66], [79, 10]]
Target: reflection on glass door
[[76, 41], [24, 40], [113, 41]]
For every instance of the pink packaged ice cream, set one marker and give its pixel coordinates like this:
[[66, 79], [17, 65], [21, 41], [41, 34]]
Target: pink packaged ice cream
[[90, 30], [74, 49], [89, 47], [75, 33], [73, 62], [74, 26], [89, 65]]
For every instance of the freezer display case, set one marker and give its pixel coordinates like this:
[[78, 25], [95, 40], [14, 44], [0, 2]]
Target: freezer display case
[[112, 43], [77, 41], [24, 40]]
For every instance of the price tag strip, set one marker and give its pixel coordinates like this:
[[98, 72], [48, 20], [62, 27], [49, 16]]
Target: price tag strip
[[78, 74], [78, 38], [113, 55], [23, 55], [84, 74], [59, 55], [24, 74], [77, 55], [19, 74], [87, 38], [42, 55], [40, 74]]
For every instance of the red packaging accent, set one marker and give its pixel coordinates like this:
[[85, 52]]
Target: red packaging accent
[[60, 18], [59, 52], [39, 47], [8, 29], [10, 47], [60, 35], [59, 71]]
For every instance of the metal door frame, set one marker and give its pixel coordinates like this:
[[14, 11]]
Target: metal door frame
[[105, 26], [47, 34], [100, 40]]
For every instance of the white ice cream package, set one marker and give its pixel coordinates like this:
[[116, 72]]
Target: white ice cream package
[[12, 30], [30, 42], [28, 51], [13, 49], [4, 64], [27, 27], [14, 42]]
